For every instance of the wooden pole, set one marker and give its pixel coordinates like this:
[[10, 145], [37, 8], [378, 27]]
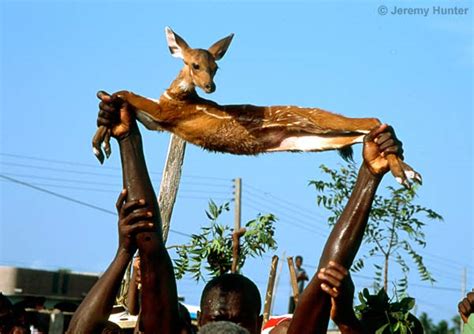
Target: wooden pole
[[269, 295], [170, 181], [294, 281], [237, 200]]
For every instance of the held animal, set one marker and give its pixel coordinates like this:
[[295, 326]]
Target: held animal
[[240, 129]]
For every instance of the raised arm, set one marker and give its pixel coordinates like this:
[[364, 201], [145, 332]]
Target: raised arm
[[312, 311], [159, 304], [95, 309]]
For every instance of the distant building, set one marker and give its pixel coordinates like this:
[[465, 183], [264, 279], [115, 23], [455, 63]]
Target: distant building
[[55, 286]]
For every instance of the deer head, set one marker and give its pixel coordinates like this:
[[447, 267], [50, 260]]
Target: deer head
[[199, 64]]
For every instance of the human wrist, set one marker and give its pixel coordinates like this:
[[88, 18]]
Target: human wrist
[[371, 175], [124, 253]]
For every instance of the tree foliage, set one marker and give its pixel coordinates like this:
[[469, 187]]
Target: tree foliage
[[395, 227], [211, 250], [383, 316], [442, 327]]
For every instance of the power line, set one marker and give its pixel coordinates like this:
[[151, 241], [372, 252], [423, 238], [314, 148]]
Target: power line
[[289, 205], [309, 226], [71, 199], [26, 184], [20, 156]]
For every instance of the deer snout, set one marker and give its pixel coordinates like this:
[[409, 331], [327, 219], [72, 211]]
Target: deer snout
[[210, 87]]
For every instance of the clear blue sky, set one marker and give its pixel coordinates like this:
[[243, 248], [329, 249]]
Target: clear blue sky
[[411, 71]]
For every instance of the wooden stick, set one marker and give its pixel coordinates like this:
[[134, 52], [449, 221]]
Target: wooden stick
[[170, 181], [269, 295], [236, 248], [294, 281]]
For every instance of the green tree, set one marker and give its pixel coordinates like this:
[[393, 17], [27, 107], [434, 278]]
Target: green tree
[[442, 327], [211, 250], [395, 226]]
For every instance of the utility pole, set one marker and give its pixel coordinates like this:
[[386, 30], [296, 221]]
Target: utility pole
[[238, 231], [237, 201], [463, 294]]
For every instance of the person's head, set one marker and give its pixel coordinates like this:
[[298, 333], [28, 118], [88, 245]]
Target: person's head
[[222, 327], [111, 328], [299, 261], [9, 321], [234, 298], [185, 320]]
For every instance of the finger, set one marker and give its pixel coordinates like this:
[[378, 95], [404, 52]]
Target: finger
[[467, 308], [334, 276], [121, 199], [107, 107], [132, 205], [388, 143], [339, 267], [103, 95], [331, 291], [383, 137], [141, 227], [329, 279], [463, 312], [375, 132], [137, 216], [470, 297], [103, 122], [391, 150]]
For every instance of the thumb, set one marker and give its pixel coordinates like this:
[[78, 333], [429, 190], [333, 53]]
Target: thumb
[[375, 132], [104, 96]]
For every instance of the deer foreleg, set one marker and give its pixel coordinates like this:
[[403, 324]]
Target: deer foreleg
[[99, 138], [148, 111]]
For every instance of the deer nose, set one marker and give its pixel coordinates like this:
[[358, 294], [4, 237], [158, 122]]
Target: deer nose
[[210, 87]]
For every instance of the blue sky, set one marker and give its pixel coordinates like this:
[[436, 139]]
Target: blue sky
[[411, 71]]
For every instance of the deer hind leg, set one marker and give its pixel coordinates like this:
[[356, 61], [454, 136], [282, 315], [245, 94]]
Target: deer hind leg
[[402, 172]]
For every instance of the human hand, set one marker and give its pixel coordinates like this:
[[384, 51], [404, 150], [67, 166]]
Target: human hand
[[379, 143], [115, 114], [466, 306], [134, 217], [338, 284]]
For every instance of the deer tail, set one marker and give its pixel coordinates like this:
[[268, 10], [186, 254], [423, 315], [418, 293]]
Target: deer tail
[[347, 153]]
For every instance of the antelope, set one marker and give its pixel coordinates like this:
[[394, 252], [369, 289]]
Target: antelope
[[240, 129]]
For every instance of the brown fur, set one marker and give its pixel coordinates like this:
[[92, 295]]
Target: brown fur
[[241, 129]]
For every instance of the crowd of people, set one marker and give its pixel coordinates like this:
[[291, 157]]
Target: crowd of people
[[230, 303]]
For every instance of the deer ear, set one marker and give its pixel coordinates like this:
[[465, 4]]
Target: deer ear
[[176, 44], [219, 48]]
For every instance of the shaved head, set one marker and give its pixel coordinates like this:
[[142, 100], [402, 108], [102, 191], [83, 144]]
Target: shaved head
[[234, 298]]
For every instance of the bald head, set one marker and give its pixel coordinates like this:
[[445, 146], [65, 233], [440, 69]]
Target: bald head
[[234, 298]]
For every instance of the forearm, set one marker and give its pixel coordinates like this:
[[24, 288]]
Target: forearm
[[342, 245], [346, 236], [133, 303], [96, 307], [159, 307]]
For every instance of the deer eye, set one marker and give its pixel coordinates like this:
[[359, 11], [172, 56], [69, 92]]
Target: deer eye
[[195, 66]]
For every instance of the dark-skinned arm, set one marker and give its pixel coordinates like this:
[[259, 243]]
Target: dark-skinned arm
[[313, 309], [95, 309], [159, 304], [133, 302]]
